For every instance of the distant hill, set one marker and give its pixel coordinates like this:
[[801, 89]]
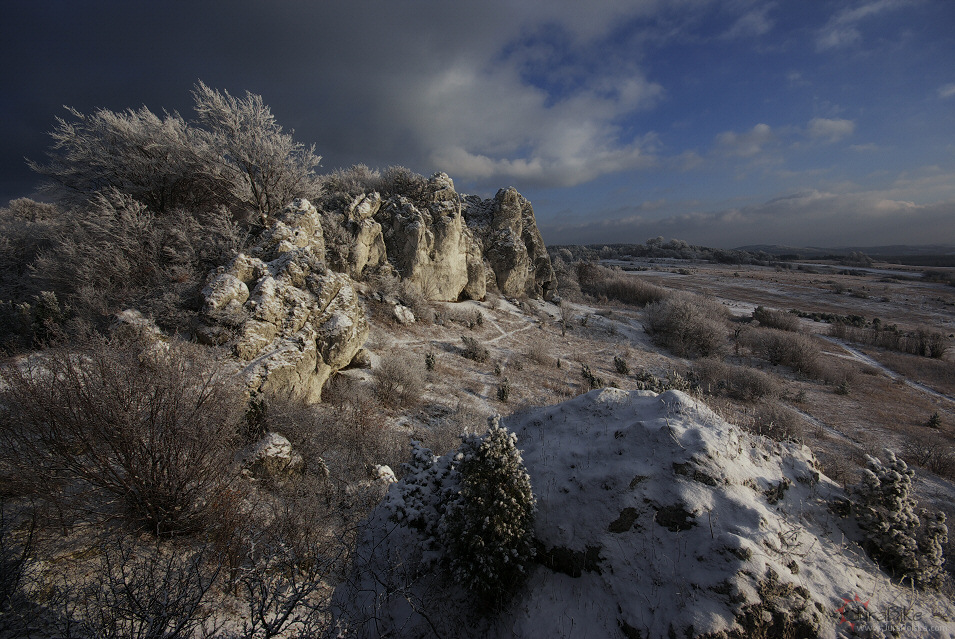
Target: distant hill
[[810, 252]]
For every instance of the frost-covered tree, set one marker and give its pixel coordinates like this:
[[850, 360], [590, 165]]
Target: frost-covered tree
[[260, 165], [474, 509], [159, 161], [908, 542], [234, 154]]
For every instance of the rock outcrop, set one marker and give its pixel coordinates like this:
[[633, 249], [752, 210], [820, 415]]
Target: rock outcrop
[[367, 250], [449, 246], [512, 244], [288, 318], [428, 242]]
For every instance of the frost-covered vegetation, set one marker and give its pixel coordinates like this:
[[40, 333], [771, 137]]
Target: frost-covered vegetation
[[216, 358]]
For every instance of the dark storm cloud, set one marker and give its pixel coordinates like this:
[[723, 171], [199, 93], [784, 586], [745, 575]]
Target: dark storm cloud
[[419, 83]]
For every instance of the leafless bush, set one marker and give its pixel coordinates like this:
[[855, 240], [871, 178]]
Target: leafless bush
[[538, 352], [738, 382], [140, 593], [600, 281], [799, 352], [776, 319], [147, 431], [687, 324], [474, 350], [17, 548], [932, 452], [777, 422], [399, 380], [116, 249], [234, 154], [444, 432], [924, 341]]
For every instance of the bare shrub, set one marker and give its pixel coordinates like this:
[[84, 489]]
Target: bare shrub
[[474, 350], [932, 452], [924, 341], [17, 552], [538, 352], [601, 281], [777, 422], [348, 433], [799, 352], [115, 428], [234, 154], [142, 593], [399, 380], [688, 324], [738, 382], [776, 319], [115, 249]]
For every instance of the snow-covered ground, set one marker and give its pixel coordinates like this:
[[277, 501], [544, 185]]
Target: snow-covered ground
[[656, 518]]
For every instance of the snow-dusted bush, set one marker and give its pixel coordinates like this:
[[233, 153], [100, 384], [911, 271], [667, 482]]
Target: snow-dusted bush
[[488, 527], [687, 324], [908, 542], [474, 509], [112, 429], [235, 154]]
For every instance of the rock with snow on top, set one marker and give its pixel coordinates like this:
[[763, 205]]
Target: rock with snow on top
[[403, 314], [655, 518], [273, 458], [289, 318]]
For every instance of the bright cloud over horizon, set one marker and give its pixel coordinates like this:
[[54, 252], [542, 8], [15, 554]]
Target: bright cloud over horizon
[[723, 123]]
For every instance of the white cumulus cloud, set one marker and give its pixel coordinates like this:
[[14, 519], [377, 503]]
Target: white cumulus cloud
[[830, 130], [747, 143]]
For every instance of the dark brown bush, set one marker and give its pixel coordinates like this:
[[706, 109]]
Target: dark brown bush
[[738, 382], [399, 380], [600, 281], [795, 350], [687, 324], [777, 422], [776, 319], [147, 431]]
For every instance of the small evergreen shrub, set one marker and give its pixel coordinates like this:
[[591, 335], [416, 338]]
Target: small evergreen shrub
[[907, 542], [429, 360], [935, 421], [474, 350], [592, 379], [504, 390], [488, 529], [474, 510], [621, 365]]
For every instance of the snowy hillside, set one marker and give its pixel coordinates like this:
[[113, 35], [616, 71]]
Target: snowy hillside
[[655, 518]]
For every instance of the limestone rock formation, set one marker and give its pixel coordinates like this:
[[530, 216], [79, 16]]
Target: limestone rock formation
[[289, 318], [428, 242], [512, 244], [273, 458], [450, 246], [367, 250]]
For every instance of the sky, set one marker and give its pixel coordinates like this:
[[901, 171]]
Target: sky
[[722, 123]]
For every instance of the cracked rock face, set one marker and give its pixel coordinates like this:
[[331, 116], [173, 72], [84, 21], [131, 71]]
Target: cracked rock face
[[429, 244], [289, 319], [512, 244]]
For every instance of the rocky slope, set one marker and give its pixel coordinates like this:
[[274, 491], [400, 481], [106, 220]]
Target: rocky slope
[[290, 312], [656, 518], [288, 318]]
